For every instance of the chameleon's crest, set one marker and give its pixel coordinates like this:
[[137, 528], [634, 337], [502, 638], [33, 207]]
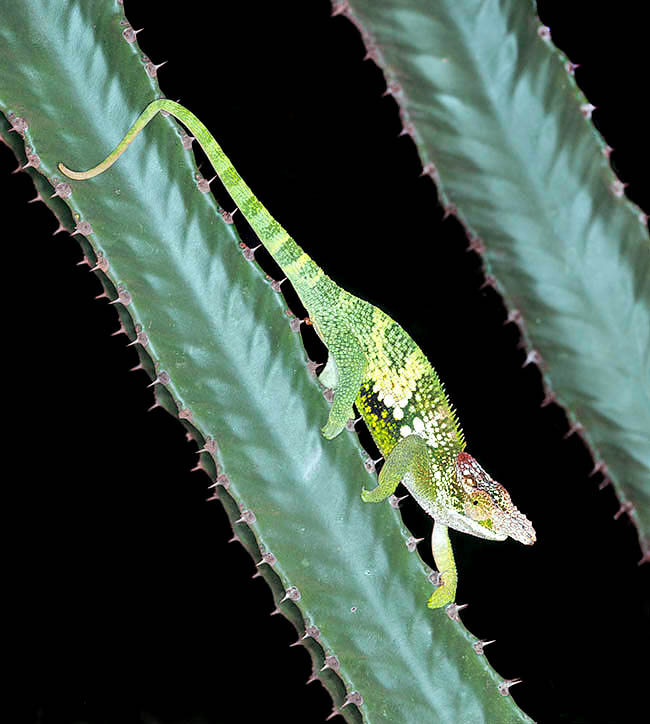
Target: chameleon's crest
[[488, 511]]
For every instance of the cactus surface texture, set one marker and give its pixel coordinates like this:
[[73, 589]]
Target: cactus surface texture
[[214, 336]]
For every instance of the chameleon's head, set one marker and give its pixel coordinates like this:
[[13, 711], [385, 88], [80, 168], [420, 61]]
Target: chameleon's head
[[487, 510]]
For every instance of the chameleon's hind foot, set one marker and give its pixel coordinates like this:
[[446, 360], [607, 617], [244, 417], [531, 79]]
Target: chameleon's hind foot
[[405, 457]]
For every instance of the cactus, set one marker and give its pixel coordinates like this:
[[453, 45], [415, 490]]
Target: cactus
[[251, 281]]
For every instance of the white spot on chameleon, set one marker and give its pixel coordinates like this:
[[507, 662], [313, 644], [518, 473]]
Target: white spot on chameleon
[[405, 431], [389, 400], [398, 413], [418, 425]]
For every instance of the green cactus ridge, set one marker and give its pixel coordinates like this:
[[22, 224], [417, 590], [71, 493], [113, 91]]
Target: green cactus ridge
[[568, 265], [165, 280]]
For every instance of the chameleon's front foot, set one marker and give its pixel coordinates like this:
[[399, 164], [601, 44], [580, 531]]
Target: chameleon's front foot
[[446, 591], [443, 555]]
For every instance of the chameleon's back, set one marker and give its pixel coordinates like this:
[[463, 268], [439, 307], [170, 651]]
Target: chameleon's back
[[401, 393]]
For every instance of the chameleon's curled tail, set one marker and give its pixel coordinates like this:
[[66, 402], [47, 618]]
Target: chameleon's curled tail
[[302, 272]]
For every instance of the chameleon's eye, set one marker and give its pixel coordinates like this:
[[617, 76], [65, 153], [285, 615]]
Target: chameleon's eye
[[479, 505]]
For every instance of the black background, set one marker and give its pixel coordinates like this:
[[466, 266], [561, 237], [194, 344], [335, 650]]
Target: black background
[[130, 605]]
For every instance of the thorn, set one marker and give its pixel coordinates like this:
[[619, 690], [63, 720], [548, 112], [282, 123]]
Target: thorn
[[479, 646], [450, 210], [101, 265], [544, 32], [267, 558], [626, 507], [313, 677], [392, 89], [339, 7], [453, 609], [235, 539], [412, 543], [38, 197], [549, 398], [571, 67], [248, 253], [312, 632], [137, 367], [227, 215], [428, 170], [121, 330], [605, 482], [354, 697], [607, 151], [141, 338], [275, 611], [185, 414], [575, 427], [275, 285], [645, 558], [210, 445], [292, 594], [352, 423], [152, 70], [587, 109], [204, 184], [395, 501], [247, 516], [331, 662], [102, 295], [618, 188], [335, 712], [162, 379], [599, 467], [295, 324], [18, 124], [33, 161], [155, 404], [408, 129], [83, 261], [62, 190], [123, 298], [312, 367], [187, 140], [476, 244], [504, 686], [83, 228], [370, 465], [490, 281], [129, 34], [532, 357]]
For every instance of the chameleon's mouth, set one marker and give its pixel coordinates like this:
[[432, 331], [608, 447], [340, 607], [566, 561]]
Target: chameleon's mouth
[[520, 528]]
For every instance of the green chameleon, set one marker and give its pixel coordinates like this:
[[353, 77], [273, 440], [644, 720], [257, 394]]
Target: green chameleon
[[373, 363]]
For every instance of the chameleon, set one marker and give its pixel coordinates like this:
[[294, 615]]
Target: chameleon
[[374, 364]]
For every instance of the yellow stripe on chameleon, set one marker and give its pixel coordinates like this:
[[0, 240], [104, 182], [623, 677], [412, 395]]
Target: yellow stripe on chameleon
[[296, 265], [277, 243]]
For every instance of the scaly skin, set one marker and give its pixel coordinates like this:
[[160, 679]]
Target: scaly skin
[[374, 363]]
